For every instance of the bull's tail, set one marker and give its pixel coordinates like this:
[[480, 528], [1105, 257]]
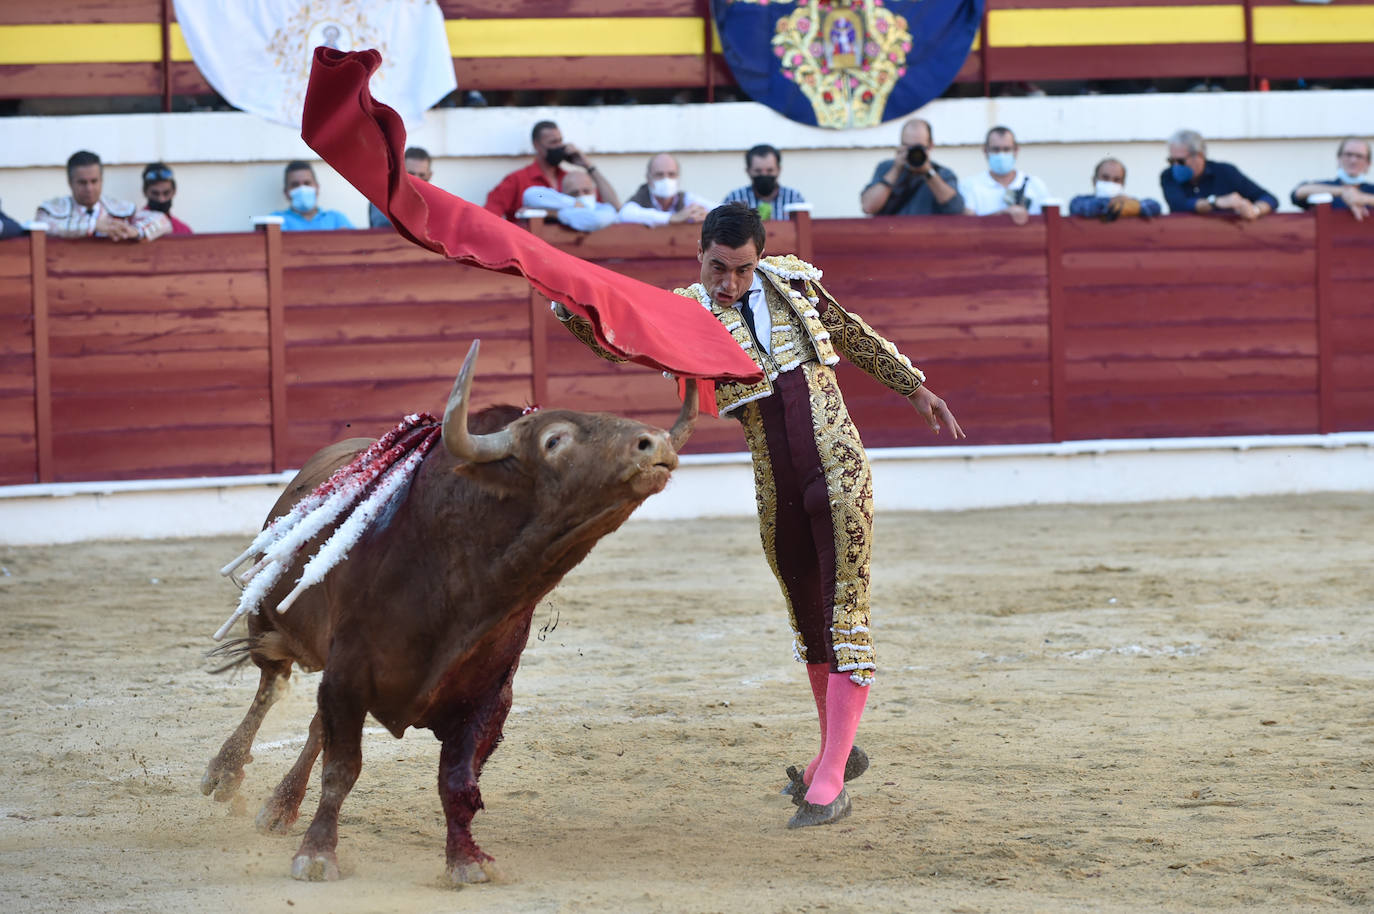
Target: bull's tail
[[237, 652]]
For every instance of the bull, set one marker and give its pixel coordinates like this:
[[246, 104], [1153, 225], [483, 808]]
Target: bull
[[423, 624]]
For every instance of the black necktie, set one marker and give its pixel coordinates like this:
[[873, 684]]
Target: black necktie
[[748, 311]]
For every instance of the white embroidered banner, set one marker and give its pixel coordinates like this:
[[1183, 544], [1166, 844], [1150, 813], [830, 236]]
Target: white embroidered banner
[[257, 53]]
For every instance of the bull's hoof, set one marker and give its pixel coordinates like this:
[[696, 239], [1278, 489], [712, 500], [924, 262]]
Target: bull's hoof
[[472, 872], [855, 765], [221, 781], [274, 819], [322, 867], [809, 814]]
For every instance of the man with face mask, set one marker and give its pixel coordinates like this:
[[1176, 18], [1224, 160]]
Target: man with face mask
[[813, 483], [1003, 189], [304, 214], [1109, 200], [553, 158], [1351, 189], [661, 200], [159, 187], [764, 195], [1194, 184], [577, 206]]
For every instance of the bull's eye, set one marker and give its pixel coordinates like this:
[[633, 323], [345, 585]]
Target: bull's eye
[[552, 442]]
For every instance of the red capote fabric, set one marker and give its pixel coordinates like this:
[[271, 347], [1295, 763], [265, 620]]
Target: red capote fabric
[[364, 141]]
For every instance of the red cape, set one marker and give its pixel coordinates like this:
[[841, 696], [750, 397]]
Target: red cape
[[364, 141]]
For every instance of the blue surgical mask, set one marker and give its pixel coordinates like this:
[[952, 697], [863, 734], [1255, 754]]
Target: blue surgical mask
[[1001, 163], [302, 198], [1181, 173], [1346, 177]]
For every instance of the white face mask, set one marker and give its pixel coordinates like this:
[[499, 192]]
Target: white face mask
[[586, 201], [664, 188], [1109, 189], [1347, 178]]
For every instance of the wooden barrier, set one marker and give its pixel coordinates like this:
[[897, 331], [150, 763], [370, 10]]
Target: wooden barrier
[[228, 354], [135, 47]]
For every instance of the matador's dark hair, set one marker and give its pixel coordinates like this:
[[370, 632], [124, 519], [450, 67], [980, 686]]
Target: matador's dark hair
[[80, 159], [731, 225]]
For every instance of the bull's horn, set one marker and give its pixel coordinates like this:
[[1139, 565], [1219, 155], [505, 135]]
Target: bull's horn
[[687, 418], [461, 444]]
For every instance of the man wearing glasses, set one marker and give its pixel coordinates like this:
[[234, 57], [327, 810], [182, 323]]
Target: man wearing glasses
[[159, 187], [1002, 188], [1351, 188], [1193, 184]]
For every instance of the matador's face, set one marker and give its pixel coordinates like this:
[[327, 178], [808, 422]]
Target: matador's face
[[727, 273]]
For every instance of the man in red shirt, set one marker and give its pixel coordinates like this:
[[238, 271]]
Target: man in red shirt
[[159, 187], [551, 158]]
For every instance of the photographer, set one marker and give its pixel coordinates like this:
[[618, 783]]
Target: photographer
[[911, 183], [552, 160]]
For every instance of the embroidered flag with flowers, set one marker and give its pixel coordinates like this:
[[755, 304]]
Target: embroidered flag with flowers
[[846, 63]]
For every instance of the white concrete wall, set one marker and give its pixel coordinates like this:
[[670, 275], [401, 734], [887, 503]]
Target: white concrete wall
[[229, 165], [722, 485]]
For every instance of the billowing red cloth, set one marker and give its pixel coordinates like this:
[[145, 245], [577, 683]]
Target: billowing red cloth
[[364, 141]]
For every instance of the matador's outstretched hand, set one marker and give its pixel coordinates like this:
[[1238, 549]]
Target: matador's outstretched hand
[[934, 411]]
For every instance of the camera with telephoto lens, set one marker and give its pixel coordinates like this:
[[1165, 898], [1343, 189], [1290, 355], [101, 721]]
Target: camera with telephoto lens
[[916, 156]]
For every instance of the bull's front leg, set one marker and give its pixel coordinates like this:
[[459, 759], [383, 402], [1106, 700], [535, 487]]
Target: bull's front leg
[[465, 750], [281, 810], [341, 713], [225, 771]]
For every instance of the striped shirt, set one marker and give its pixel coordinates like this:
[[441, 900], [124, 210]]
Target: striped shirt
[[65, 218], [777, 208]]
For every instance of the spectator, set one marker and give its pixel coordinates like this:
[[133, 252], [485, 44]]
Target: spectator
[[1192, 184], [8, 227], [304, 214], [159, 187], [1349, 190], [660, 200], [1109, 200], [87, 213], [763, 164], [552, 159], [1002, 189], [577, 207], [417, 165], [911, 183]]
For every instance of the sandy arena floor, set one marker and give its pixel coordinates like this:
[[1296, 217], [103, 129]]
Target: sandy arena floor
[[1142, 708]]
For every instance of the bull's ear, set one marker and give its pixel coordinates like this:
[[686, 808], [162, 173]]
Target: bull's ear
[[457, 439]]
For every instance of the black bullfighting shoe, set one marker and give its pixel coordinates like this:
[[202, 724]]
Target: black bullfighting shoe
[[808, 814], [855, 765]]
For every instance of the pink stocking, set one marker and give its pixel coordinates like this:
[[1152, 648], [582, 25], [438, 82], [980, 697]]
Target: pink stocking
[[844, 706], [819, 674]]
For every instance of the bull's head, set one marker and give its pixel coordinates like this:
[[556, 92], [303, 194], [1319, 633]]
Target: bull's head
[[644, 455]]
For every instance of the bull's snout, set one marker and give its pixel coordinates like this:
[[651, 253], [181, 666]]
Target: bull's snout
[[655, 448]]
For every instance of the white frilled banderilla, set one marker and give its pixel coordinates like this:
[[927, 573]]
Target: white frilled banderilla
[[368, 485]]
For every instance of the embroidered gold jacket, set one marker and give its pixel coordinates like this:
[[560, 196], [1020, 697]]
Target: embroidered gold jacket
[[808, 324]]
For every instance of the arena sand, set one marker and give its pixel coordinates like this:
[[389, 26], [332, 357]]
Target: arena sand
[[1134, 708]]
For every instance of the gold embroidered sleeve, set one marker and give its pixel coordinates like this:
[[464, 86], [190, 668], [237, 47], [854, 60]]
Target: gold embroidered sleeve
[[863, 346], [581, 328]]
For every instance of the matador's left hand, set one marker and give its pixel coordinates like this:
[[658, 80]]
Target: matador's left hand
[[934, 411]]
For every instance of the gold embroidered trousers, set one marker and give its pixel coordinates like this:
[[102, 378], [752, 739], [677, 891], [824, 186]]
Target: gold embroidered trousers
[[815, 500]]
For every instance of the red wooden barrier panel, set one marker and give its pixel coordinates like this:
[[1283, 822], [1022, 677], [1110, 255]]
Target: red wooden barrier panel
[[1189, 326], [214, 355], [18, 439]]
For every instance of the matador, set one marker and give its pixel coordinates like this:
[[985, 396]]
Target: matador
[[813, 484]]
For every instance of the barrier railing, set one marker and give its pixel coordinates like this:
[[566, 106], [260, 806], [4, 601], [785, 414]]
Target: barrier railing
[[135, 47], [230, 354]]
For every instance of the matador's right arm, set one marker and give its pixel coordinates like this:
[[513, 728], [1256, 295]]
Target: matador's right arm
[[581, 328]]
